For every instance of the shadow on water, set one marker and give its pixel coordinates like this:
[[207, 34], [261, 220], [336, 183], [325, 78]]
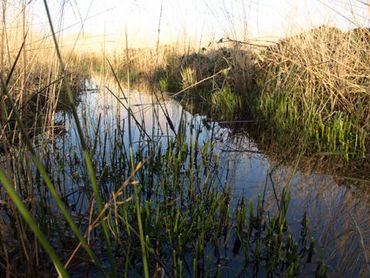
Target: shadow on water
[[338, 215]]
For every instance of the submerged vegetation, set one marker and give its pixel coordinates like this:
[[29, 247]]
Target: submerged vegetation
[[108, 193]]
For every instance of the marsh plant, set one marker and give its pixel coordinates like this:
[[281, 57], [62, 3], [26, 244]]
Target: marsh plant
[[226, 103], [315, 83], [319, 80]]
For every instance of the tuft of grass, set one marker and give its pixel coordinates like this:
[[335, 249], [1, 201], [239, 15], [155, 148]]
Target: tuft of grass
[[225, 102], [319, 80]]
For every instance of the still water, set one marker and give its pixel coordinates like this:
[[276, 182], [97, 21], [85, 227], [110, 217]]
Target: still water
[[338, 214]]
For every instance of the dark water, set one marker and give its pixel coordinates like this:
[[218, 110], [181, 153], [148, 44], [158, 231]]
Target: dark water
[[339, 215]]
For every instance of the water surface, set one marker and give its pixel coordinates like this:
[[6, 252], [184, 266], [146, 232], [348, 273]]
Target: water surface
[[339, 214]]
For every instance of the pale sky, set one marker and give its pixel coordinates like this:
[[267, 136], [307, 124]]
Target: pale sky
[[196, 20]]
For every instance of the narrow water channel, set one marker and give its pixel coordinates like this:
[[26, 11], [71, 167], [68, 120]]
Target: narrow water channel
[[338, 214]]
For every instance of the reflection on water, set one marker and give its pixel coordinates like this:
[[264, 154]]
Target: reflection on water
[[339, 216]]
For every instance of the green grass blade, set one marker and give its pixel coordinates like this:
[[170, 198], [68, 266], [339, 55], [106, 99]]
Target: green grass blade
[[46, 178], [94, 185], [33, 225], [89, 165], [66, 215], [141, 233]]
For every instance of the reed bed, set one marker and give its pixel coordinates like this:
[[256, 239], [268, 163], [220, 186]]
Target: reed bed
[[315, 83], [319, 80], [31, 75]]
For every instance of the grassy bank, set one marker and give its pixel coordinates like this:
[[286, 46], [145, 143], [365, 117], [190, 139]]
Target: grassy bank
[[319, 82], [315, 85]]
